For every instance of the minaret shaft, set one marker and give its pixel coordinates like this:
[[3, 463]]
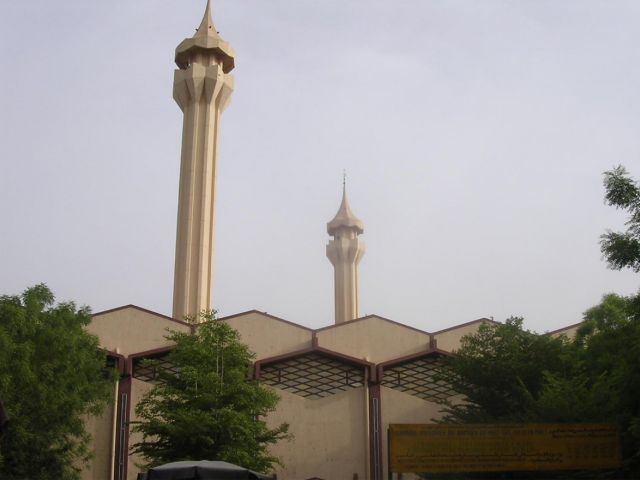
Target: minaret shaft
[[345, 255], [196, 213], [202, 89]]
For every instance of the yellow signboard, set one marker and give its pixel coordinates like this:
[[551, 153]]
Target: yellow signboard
[[497, 448]]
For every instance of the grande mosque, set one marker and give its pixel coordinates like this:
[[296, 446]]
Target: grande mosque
[[340, 385]]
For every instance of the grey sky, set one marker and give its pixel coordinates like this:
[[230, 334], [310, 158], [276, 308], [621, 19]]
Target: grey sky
[[474, 135]]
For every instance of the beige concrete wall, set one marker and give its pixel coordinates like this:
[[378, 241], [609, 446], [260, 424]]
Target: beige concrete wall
[[269, 337], [138, 389], [101, 429], [131, 330], [373, 339], [449, 340], [329, 436], [331, 433], [399, 407], [569, 332]]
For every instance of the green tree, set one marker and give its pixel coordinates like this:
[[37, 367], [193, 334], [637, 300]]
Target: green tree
[[609, 347], [501, 372], [211, 409], [51, 375], [508, 374], [622, 249]]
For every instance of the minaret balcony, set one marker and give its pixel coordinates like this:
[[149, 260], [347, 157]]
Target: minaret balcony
[[221, 49]]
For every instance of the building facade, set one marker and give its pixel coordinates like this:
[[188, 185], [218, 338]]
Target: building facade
[[340, 386]]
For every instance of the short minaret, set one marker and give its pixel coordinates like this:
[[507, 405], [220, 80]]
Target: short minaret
[[345, 252], [202, 89]]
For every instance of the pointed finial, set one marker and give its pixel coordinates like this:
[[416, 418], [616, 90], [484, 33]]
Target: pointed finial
[[344, 217], [207, 28]]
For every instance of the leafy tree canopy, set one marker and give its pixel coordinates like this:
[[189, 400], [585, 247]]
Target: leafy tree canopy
[[211, 409], [51, 374], [622, 249], [509, 374], [500, 370]]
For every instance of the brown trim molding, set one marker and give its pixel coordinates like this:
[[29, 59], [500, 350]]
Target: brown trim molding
[[123, 415], [320, 351], [408, 358], [375, 431], [155, 352], [145, 310], [563, 329], [466, 324], [273, 317], [368, 317]]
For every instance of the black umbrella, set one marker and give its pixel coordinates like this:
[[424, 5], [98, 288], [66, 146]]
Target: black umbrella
[[202, 470]]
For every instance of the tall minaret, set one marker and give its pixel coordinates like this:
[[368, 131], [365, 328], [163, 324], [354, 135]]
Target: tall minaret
[[202, 89], [345, 252]]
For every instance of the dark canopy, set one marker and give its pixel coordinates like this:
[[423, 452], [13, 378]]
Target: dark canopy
[[4, 420], [202, 470]]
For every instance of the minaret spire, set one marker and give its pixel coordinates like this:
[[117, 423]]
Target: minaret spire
[[345, 251], [345, 217], [207, 28], [202, 89]]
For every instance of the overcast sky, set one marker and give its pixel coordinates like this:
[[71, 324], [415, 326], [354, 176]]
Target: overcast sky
[[474, 135]]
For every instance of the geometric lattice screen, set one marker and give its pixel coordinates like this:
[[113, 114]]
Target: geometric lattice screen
[[149, 373], [417, 378], [312, 376]]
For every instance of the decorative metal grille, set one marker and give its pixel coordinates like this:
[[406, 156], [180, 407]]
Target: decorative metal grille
[[312, 376], [417, 378], [149, 373]]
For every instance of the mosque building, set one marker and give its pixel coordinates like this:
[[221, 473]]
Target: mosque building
[[340, 385]]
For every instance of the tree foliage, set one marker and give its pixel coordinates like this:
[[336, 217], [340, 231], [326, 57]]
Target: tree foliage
[[622, 249], [501, 371], [51, 374], [210, 409], [508, 374], [608, 345]]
